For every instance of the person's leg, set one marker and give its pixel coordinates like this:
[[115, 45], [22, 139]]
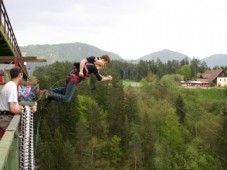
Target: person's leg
[[66, 97], [70, 89], [60, 90]]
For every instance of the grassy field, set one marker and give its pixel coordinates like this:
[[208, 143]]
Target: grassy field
[[211, 94], [128, 83], [214, 93]]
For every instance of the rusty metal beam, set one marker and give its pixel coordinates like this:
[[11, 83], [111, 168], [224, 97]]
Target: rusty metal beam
[[20, 56], [21, 59]]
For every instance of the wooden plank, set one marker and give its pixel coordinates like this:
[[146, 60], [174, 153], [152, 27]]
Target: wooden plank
[[30, 103], [27, 83]]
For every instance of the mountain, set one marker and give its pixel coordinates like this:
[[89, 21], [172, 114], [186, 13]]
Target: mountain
[[216, 60], [73, 52], [164, 55]]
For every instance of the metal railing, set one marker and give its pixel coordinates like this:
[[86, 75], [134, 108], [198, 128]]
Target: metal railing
[[8, 30], [9, 146]]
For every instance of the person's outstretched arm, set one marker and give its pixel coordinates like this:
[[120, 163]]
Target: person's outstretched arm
[[84, 61], [105, 78], [82, 64], [99, 77]]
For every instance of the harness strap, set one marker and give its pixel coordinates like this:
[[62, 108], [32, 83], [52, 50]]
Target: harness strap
[[86, 70], [87, 75], [6, 112], [73, 78]]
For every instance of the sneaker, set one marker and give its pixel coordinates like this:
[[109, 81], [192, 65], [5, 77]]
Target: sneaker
[[44, 95], [42, 92], [47, 94]]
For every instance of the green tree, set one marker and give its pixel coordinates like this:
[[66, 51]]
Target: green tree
[[195, 64], [135, 148], [186, 72], [147, 138], [116, 151], [180, 109]]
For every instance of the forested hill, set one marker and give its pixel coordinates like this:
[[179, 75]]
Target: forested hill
[[168, 55], [76, 51], [158, 125], [66, 52], [216, 60], [164, 56]]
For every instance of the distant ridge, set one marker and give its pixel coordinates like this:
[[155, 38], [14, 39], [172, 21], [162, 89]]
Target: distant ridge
[[216, 60], [168, 55], [74, 52], [66, 52], [164, 55]]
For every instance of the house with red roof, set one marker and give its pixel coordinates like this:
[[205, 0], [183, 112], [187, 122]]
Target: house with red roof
[[213, 77], [210, 78]]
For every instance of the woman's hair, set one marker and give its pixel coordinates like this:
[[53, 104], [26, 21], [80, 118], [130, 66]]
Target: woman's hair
[[99, 63], [106, 58]]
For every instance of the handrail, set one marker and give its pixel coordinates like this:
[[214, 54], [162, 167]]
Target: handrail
[[4, 20], [9, 146]]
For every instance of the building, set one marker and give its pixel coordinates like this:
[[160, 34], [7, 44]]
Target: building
[[210, 77], [221, 81]]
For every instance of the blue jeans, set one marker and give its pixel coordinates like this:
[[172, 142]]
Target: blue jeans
[[63, 94]]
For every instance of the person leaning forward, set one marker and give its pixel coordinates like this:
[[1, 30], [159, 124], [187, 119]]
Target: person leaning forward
[[104, 58], [9, 99]]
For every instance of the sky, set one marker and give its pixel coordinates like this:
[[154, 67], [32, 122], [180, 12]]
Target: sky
[[129, 28]]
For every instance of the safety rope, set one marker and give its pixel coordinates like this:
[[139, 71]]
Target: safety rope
[[42, 94]]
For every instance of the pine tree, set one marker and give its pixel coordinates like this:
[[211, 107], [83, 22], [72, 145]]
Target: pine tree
[[147, 137], [135, 147], [180, 109], [116, 151]]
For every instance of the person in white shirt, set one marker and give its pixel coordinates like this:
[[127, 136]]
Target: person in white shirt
[[9, 99]]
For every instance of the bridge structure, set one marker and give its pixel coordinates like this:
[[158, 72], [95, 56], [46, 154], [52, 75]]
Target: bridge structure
[[8, 42], [9, 48], [10, 56]]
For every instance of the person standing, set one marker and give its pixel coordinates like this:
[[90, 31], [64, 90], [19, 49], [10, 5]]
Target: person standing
[[9, 99]]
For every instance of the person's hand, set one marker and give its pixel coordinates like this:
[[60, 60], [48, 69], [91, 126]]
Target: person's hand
[[110, 77], [34, 108], [81, 74]]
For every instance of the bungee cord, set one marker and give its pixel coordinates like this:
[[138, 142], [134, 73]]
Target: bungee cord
[[26, 140]]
